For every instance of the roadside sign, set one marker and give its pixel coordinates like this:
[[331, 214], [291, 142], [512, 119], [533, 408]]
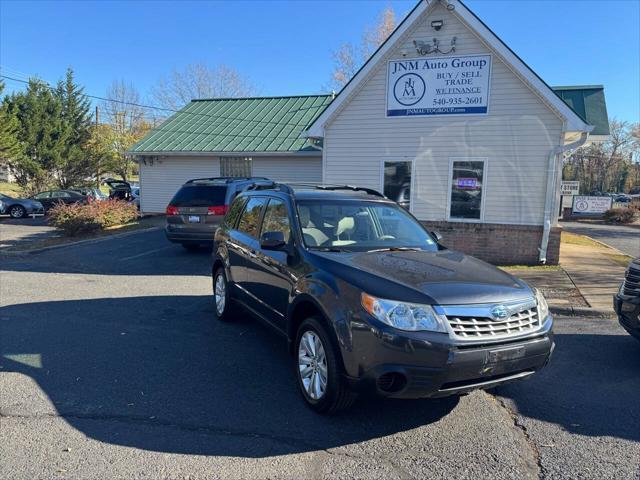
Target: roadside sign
[[584, 204], [570, 188]]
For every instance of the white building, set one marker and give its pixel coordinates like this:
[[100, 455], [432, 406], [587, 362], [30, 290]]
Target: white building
[[443, 118]]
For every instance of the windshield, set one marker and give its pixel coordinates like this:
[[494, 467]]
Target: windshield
[[360, 226], [5, 197], [201, 195]]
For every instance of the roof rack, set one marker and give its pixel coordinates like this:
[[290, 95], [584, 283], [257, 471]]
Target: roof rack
[[225, 179], [271, 185], [287, 187], [353, 188]]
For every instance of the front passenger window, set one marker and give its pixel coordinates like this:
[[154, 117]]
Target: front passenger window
[[276, 219], [250, 218]]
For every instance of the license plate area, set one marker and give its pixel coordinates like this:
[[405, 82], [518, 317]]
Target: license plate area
[[194, 219], [506, 354]]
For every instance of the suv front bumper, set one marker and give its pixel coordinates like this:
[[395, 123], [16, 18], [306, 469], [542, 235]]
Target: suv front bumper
[[628, 310], [434, 365]]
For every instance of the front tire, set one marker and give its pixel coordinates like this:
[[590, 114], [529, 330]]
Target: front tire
[[17, 211], [319, 369], [223, 307]]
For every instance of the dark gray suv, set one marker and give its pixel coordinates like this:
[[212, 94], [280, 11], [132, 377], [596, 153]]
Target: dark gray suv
[[369, 301], [197, 209]]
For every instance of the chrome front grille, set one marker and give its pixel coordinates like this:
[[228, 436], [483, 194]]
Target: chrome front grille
[[631, 284], [468, 327]]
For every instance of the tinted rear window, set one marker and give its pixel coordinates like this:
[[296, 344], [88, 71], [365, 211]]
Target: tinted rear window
[[200, 195]]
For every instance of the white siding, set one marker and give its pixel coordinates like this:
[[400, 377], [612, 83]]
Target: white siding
[[160, 181], [516, 137], [289, 169]]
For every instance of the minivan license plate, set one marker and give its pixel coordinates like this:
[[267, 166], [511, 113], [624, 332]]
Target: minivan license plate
[[506, 354], [194, 218]]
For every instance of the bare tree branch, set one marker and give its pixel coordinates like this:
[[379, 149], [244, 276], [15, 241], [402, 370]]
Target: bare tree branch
[[199, 81], [349, 58]]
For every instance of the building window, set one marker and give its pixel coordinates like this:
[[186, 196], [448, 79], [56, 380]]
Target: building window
[[465, 202], [235, 166], [397, 182]]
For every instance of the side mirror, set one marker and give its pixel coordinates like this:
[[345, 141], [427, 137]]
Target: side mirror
[[437, 236], [272, 241]]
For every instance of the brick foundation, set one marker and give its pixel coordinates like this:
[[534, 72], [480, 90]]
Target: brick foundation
[[498, 244]]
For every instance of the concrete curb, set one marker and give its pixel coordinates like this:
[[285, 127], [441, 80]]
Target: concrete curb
[[582, 312], [79, 242]]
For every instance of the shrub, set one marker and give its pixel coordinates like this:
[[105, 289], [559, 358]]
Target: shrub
[[621, 215], [76, 219]]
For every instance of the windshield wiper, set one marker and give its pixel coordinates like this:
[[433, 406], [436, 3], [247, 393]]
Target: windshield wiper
[[329, 249], [396, 249]]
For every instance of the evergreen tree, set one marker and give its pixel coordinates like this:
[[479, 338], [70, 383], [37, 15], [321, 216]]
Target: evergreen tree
[[41, 132], [10, 147], [74, 167]]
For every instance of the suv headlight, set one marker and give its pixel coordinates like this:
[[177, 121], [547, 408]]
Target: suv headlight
[[403, 316], [543, 306]]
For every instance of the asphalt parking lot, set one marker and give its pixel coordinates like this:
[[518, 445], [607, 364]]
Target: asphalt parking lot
[[24, 230], [111, 366]]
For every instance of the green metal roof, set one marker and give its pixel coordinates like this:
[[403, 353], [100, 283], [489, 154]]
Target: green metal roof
[[588, 102], [258, 124], [275, 124]]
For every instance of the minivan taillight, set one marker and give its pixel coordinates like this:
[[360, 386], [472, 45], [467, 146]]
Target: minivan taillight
[[218, 210], [172, 210]]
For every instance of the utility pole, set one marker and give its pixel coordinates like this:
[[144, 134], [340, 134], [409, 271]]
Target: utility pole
[[97, 116]]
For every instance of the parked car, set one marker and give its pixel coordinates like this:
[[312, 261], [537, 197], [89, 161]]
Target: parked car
[[627, 301], [369, 301], [51, 198], [92, 193], [118, 189], [622, 199], [199, 206], [19, 207]]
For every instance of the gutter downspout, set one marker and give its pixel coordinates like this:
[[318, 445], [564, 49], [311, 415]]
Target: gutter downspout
[[552, 183]]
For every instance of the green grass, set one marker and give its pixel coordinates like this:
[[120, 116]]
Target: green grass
[[575, 239], [622, 260], [11, 189], [533, 268]]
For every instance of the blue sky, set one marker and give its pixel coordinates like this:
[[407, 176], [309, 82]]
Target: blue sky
[[284, 47]]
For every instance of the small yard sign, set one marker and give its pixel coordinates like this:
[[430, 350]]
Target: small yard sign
[[570, 187], [438, 86], [584, 204]]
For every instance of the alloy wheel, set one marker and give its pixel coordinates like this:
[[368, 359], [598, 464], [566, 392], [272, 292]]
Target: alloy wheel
[[312, 365], [221, 294]]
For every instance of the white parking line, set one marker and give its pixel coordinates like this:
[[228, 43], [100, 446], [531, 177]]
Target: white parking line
[[146, 253]]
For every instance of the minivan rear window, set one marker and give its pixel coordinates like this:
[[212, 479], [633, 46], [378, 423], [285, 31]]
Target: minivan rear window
[[200, 195]]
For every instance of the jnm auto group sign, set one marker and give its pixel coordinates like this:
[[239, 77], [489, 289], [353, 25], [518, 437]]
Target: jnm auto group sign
[[438, 86]]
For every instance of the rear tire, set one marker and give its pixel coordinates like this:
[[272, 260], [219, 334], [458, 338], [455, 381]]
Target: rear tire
[[223, 307], [17, 211], [325, 389]]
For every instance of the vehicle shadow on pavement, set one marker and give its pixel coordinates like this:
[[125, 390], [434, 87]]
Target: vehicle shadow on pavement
[[591, 387], [160, 374]]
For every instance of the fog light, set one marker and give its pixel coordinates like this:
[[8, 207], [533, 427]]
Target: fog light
[[628, 307]]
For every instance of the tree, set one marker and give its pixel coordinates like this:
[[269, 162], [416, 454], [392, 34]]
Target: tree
[[42, 133], [126, 126], [74, 167], [607, 166], [52, 126], [10, 146], [349, 57], [200, 81]]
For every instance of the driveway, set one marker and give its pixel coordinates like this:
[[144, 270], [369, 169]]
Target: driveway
[[15, 232], [111, 366], [624, 238]]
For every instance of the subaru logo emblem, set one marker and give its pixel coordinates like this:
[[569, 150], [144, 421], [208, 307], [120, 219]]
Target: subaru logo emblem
[[499, 312]]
